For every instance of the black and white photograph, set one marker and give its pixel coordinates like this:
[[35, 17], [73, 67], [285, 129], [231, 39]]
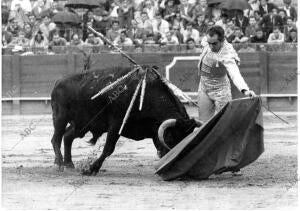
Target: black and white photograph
[[149, 105]]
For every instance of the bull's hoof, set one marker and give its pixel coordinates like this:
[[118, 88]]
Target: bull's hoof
[[59, 168], [89, 172], [69, 165]]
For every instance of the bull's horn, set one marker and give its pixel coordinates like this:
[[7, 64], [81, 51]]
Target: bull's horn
[[161, 130]]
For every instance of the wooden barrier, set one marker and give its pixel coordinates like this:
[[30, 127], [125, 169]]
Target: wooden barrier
[[31, 78]]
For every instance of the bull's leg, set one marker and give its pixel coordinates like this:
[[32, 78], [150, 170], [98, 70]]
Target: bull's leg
[[56, 143], [59, 130], [69, 137], [109, 147]]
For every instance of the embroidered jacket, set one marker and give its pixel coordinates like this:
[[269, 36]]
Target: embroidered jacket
[[218, 64]]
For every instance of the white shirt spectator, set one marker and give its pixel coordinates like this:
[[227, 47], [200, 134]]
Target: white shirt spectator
[[276, 37], [190, 32], [163, 28], [170, 40], [221, 23], [25, 5]]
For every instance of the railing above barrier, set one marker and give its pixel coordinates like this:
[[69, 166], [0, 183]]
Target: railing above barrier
[[153, 48]]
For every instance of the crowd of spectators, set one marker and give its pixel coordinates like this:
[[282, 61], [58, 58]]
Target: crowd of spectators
[[28, 24]]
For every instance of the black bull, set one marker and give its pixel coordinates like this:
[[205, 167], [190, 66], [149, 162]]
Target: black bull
[[71, 103]]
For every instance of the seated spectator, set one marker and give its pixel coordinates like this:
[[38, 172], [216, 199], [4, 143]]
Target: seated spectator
[[241, 21], [76, 40], [46, 26], [145, 24], [150, 9], [288, 27], [19, 15], [6, 36], [292, 37], [57, 40], [20, 40], [185, 10], [269, 21], [175, 31], [265, 7], [169, 10], [223, 21], [190, 32], [229, 29], [201, 25], [259, 37], [55, 8], [178, 21], [135, 34], [123, 39], [125, 13], [237, 36], [276, 36], [13, 27], [114, 32], [200, 8], [113, 10], [28, 31], [254, 7], [93, 40], [160, 26], [99, 22], [38, 8], [149, 40], [283, 15], [39, 43], [257, 16], [191, 46], [169, 39], [24, 4], [5, 14], [215, 13], [32, 20], [290, 10], [250, 30]]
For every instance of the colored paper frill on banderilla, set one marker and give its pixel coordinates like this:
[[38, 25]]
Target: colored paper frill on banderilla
[[229, 141]]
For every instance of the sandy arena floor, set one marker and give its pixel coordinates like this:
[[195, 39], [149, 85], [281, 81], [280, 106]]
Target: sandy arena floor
[[127, 179]]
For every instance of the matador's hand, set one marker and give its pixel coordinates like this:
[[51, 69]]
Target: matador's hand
[[249, 93]]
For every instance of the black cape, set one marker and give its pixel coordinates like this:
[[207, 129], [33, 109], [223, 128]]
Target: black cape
[[230, 140]]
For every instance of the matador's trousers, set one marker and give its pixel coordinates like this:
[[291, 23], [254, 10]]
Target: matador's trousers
[[213, 94]]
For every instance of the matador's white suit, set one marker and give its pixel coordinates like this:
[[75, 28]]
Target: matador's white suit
[[214, 88]]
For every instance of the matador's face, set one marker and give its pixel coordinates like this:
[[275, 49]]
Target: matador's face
[[214, 43]]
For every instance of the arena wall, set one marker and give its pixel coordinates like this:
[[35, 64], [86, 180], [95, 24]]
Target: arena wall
[[27, 81]]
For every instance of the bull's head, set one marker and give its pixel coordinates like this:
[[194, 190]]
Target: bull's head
[[172, 131]]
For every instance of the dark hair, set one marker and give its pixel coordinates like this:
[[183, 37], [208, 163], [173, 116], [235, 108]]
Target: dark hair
[[189, 23], [39, 33], [224, 15], [256, 12], [218, 30], [115, 21], [276, 27], [293, 30], [144, 13], [258, 29], [124, 32], [190, 39], [282, 10]]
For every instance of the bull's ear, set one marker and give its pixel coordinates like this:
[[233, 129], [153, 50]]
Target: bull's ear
[[155, 67]]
